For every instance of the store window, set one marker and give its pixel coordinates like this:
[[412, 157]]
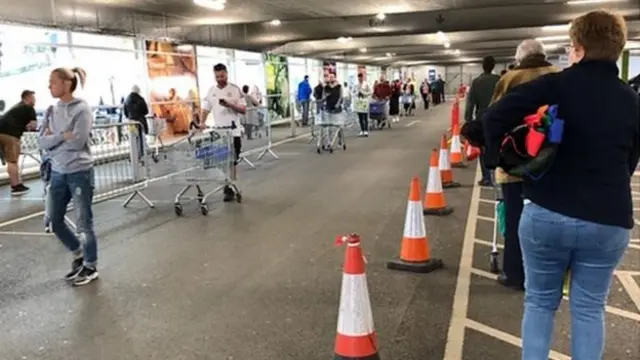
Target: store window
[[314, 70], [341, 72], [110, 74], [27, 58], [102, 41], [250, 71], [297, 71]]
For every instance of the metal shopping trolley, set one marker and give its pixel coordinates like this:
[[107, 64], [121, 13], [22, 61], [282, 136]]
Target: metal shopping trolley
[[498, 225], [202, 157], [378, 115], [330, 131]]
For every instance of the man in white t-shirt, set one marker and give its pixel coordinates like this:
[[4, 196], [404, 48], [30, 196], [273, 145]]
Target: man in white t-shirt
[[226, 103]]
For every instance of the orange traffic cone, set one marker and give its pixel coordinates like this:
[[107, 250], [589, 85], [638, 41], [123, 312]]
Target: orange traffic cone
[[434, 202], [446, 174], [356, 338], [457, 158], [415, 254], [455, 113]]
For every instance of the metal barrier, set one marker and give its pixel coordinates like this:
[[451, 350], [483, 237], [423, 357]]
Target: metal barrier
[[29, 151], [121, 166], [257, 135]]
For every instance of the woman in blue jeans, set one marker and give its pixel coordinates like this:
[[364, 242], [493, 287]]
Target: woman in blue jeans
[[577, 217], [65, 138]]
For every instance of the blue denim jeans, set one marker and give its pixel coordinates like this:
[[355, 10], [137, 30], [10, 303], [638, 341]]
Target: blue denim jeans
[[552, 244], [79, 187]]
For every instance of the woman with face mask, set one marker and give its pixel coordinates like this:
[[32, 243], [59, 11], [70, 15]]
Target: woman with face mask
[[65, 137]]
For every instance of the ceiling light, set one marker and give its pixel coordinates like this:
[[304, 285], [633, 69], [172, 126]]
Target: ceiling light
[[447, 45], [551, 46], [456, 51], [275, 22], [554, 28], [79, 13], [588, 2], [343, 39], [553, 38], [211, 4], [363, 50], [381, 16], [389, 54]]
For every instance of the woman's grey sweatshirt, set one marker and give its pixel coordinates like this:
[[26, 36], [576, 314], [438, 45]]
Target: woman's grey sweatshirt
[[68, 156]]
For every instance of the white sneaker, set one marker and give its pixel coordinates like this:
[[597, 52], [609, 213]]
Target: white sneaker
[[361, 133], [366, 134]]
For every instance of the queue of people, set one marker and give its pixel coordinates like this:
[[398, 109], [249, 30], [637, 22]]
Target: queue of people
[[576, 218]]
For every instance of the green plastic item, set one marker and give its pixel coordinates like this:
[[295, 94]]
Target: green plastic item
[[501, 217]]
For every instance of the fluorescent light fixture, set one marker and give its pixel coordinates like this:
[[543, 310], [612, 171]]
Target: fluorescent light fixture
[[217, 5], [553, 38], [447, 45], [79, 13], [275, 22], [551, 46], [389, 54], [456, 52], [556, 28], [363, 50], [343, 39], [381, 16], [589, 2]]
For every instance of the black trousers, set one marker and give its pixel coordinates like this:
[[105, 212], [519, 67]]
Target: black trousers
[[512, 260], [363, 119], [425, 101]]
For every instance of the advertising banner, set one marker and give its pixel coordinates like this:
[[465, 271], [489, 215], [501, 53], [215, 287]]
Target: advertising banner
[[277, 74], [173, 84]]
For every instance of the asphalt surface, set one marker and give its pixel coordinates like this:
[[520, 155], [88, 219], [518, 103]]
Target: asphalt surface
[[261, 279]]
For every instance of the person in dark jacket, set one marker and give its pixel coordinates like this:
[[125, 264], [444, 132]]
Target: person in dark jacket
[[478, 100], [318, 93], [532, 63], [135, 108], [578, 216]]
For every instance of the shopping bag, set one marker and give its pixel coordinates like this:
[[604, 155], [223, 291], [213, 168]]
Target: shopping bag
[[472, 152]]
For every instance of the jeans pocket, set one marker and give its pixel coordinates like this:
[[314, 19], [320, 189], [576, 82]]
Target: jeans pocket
[[541, 227]]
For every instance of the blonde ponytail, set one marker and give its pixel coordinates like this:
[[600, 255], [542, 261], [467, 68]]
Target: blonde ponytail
[[80, 74]]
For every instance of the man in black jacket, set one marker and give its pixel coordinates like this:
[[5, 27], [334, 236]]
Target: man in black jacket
[[135, 109]]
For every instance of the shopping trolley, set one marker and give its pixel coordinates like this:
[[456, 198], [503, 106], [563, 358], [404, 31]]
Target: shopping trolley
[[202, 157], [378, 115], [157, 127], [498, 225], [330, 131]]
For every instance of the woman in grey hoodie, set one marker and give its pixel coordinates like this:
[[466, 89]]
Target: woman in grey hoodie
[[65, 137]]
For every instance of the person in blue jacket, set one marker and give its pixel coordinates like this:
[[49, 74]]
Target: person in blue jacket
[[304, 96]]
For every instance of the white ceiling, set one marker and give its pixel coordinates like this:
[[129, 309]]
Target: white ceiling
[[310, 28]]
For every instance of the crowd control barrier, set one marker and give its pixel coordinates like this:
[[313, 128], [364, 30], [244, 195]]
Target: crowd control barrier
[[121, 167], [257, 134]]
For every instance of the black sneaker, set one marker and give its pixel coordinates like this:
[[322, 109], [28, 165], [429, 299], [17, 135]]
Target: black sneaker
[[76, 267], [86, 275], [229, 194], [19, 190]]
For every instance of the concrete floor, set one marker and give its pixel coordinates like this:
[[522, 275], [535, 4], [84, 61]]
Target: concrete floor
[[261, 279]]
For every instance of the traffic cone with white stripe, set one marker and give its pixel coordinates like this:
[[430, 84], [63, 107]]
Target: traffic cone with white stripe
[[457, 158], [356, 338], [434, 202], [446, 174], [415, 253]]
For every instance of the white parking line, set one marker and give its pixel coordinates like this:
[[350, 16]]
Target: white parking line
[[455, 335], [492, 202], [484, 218], [411, 123], [610, 309], [25, 233], [632, 288], [488, 243], [506, 337]]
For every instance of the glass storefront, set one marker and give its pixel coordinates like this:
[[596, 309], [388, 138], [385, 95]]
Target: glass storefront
[[207, 58], [297, 71], [250, 71]]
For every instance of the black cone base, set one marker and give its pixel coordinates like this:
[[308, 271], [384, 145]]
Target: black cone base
[[416, 267], [451, 185], [438, 212], [370, 357], [458, 166]]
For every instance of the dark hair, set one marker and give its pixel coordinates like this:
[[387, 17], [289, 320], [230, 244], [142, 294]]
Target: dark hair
[[26, 93], [220, 67], [503, 72], [245, 89], [511, 66], [306, 77], [488, 63]]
